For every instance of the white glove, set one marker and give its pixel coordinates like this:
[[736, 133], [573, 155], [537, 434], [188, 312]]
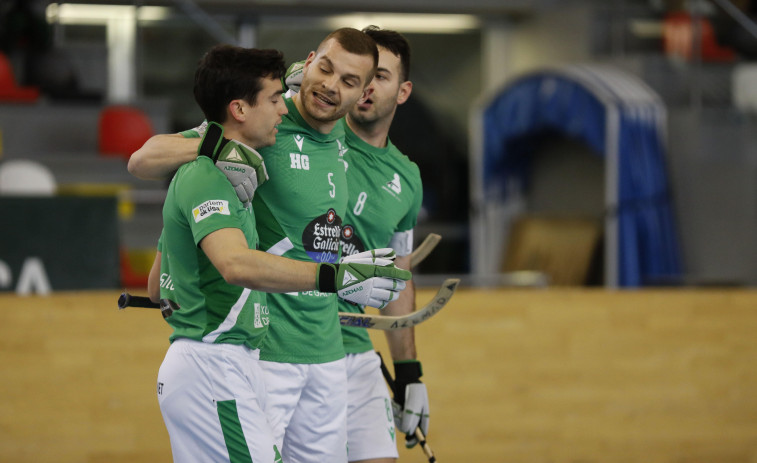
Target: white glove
[[362, 284], [414, 414], [293, 76], [382, 256], [242, 165], [375, 292], [410, 403]]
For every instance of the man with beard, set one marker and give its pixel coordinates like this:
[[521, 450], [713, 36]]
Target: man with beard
[[385, 195], [210, 385], [299, 213]]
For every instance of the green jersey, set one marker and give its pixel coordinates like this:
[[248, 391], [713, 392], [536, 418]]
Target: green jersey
[[385, 195], [299, 214], [201, 200]]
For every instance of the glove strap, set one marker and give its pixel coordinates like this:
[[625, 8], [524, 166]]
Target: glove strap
[[408, 371], [405, 372], [325, 278], [212, 142]]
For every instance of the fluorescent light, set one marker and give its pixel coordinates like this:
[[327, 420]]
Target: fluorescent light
[[75, 13], [407, 22]]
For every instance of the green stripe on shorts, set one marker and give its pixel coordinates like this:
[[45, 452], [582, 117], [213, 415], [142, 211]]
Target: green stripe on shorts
[[233, 434]]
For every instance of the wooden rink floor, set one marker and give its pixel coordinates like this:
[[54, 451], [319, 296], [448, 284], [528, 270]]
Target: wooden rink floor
[[547, 376]]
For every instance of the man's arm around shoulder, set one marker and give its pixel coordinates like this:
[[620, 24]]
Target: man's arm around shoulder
[[161, 155]]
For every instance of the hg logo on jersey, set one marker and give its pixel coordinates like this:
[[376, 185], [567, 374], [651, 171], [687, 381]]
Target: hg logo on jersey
[[299, 161]]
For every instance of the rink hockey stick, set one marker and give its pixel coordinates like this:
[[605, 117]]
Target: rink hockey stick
[[418, 433], [166, 306], [388, 322], [424, 249], [360, 320]]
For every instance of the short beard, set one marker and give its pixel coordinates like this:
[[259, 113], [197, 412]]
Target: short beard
[[333, 117], [362, 118]]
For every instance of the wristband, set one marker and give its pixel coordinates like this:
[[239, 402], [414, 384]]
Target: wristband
[[325, 278], [212, 141], [408, 371], [405, 372]]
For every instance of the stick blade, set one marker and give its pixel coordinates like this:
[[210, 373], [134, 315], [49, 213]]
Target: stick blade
[[387, 322], [451, 285]]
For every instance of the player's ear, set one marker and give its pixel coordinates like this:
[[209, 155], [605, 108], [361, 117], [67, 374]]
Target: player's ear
[[406, 88], [237, 110], [366, 94], [309, 60]]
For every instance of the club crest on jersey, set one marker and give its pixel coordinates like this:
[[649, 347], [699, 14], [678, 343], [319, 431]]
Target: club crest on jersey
[[210, 207], [321, 237], [394, 186], [351, 244]]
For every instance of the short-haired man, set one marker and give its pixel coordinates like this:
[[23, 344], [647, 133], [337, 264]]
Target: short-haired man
[[299, 213], [384, 201], [211, 387]]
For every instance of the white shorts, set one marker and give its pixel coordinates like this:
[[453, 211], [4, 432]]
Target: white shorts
[[307, 405], [370, 425], [212, 397]]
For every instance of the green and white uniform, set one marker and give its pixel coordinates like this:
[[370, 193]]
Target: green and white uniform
[[211, 388], [299, 214], [384, 201], [385, 196], [200, 200]]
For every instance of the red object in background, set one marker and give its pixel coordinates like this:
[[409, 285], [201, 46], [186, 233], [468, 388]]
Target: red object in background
[[678, 36], [9, 91], [122, 130], [130, 278]]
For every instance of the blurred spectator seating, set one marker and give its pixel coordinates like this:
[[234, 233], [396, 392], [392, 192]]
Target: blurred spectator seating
[[744, 87], [23, 177], [122, 130], [9, 91], [678, 37]]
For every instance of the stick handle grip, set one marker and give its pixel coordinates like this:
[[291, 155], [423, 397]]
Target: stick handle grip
[[130, 300], [424, 445]]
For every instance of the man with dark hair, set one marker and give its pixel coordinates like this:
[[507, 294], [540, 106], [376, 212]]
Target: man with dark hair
[[385, 195], [211, 385], [299, 214]]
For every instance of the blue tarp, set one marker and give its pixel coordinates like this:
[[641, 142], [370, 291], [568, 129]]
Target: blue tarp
[[608, 115]]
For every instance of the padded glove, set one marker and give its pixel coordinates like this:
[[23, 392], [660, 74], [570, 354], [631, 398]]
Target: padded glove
[[410, 403], [382, 256], [242, 165], [362, 284], [293, 76]]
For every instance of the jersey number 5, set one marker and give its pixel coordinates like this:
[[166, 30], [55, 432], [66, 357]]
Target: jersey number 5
[[332, 193]]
